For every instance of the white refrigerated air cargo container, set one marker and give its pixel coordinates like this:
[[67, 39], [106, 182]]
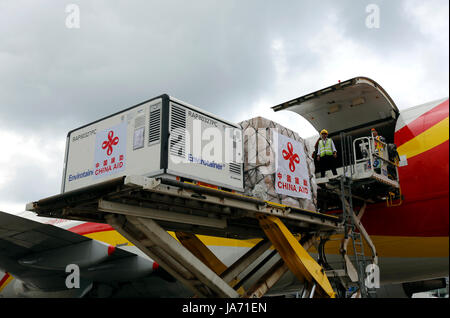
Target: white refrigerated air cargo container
[[163, 137]]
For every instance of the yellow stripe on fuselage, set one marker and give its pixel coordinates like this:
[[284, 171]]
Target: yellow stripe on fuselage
[[430, 138], [398, 246], [113, 238], [387, 246]]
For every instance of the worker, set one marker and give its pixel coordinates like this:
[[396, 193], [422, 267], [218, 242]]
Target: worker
[[326, 154], [379, 142], [379, 149]]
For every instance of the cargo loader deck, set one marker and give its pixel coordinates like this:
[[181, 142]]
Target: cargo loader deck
[[144, 209], [179, 206]]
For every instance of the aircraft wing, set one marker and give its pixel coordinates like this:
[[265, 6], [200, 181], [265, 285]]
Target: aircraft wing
[[38, 254]]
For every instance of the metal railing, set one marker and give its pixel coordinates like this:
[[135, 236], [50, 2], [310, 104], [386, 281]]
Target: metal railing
[[373, 157]]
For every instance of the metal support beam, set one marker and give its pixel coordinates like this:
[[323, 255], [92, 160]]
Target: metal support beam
[[305, 291], [201, 251], [362, 230], [269, 279], [274, 274], [313, 289], [258, 266], [302, 265], [242, 263], [233, 200], [132, 210], [154, 241]]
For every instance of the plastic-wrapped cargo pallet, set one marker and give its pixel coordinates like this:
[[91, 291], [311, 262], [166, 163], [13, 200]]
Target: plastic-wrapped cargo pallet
[[277, 165]]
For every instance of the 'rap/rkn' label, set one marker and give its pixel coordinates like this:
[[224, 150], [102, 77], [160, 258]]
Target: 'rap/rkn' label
[[204, 119], [84, 135]]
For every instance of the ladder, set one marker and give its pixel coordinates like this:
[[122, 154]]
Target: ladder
[[360, 260], [352, 221]]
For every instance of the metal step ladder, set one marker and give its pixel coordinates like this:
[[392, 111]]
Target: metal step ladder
[[353, 228], [360, 260]]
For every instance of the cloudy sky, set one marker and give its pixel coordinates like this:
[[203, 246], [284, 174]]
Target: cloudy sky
[[62, 66]]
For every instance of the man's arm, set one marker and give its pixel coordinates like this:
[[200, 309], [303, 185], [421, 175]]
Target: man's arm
[[319, 147], [334, 148], [316, 149]]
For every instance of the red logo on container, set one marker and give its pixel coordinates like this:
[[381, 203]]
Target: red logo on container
[[291, 156], [112, 141]]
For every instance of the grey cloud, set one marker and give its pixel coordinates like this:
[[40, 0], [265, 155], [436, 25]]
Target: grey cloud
[[214, 54], [204, 54], [29, 184]]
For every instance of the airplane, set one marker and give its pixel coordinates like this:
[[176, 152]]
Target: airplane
[[411, 238]]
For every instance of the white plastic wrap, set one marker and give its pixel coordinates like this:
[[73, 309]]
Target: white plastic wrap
[[260, 163]]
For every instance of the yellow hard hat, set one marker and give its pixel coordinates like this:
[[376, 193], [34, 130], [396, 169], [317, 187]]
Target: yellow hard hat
[[324, 131]]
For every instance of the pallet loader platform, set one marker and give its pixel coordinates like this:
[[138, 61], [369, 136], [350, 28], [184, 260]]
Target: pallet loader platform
[[144, 209]]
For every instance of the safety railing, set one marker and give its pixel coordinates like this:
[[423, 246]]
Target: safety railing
[[374, 155]]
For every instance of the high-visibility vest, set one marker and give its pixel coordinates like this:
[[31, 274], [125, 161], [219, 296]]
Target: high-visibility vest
[[326, 149], [378, 144]]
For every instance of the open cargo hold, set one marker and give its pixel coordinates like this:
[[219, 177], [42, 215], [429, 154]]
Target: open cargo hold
[[349, 110], [159, 137], [353, 106], [277, 164]]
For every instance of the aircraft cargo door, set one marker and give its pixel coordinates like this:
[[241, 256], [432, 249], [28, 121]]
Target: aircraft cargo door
[[348, 106]]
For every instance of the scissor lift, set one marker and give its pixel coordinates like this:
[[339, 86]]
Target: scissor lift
[[144, 209]]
